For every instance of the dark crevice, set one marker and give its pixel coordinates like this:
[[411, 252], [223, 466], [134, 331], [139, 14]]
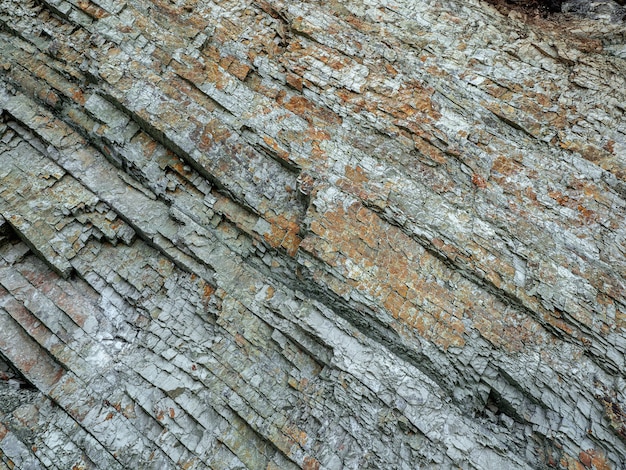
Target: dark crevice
[[507, 297], [212, 100], [265, 439], [7, 234], [513, 124], [359, 316], [65, 274], [162, 138], [267, 151], [11, 376], [147, 239], [498, 405], [541, 7], [54, 11]]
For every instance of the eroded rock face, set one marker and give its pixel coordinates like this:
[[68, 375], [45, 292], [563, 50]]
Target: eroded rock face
[[611, 10], [323, 234]]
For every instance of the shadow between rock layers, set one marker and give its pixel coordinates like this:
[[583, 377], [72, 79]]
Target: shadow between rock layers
[[325, 234]]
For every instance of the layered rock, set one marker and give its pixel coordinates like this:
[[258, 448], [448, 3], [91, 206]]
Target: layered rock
[[271, 234]]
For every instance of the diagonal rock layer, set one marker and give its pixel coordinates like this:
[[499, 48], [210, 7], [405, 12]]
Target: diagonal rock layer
[[312, 234]]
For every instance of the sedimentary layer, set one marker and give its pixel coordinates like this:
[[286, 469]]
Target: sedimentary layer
[[311, 234]]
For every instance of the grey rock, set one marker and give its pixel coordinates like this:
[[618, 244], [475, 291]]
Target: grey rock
[[312, 235]]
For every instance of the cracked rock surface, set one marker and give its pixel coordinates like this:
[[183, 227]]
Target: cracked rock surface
[[312, 234]]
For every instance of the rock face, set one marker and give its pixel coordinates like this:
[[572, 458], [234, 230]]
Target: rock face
[[311, 234]]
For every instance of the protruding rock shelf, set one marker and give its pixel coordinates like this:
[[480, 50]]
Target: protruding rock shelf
[[316, 234]]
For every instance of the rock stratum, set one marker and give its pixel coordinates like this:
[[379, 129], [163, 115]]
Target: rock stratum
[[314, 234]]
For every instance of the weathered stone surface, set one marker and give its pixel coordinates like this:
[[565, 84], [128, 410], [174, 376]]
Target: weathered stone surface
[[267, 234]]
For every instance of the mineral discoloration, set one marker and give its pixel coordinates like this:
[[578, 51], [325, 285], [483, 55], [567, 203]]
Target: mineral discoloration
[[270, 234]]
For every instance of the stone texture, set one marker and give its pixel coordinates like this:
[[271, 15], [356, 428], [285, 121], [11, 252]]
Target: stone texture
[[270, 235]]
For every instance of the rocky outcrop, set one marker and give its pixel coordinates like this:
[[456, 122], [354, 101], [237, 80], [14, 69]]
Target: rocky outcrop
[[320, 234]]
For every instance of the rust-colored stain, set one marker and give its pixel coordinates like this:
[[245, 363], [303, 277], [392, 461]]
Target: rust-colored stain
[[279, 237], [310, 463], [479, 181], [129, 411], [78, 96], [299, 105], [275, 146], [205, 136], [296, 434], [207, 291], [588, 215], [589, 459], [49, 97], [601, 156], [294, 81], [291, 243], [616, 414], [239, 70], [270, 293], [380, 267], [312, 113], [356, 174], [559, 197], [429, 150], [505, 166], [241, 340], [92, 9], [403, 280]]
